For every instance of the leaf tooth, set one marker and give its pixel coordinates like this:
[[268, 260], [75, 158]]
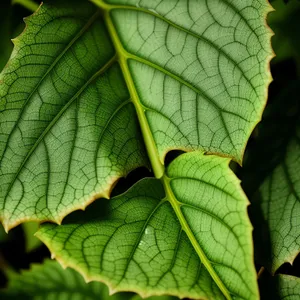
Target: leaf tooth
[[61, 262], [17, 40], [112, 291], [8, 224], [88, 278]]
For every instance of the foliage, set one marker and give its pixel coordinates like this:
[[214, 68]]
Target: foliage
[[49, 281], [96, 92]]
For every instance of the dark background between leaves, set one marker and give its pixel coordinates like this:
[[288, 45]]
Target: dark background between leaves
[[265, 149]]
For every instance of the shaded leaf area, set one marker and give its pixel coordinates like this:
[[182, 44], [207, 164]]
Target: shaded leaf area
[[289, 287], [68, 109], [30, 229], [280, 287], [272, 135], [270, 138], [276, 207], [15, 254], [271, 161], [271, 146], [11, 24], [280, 203], [50, 281], [5, 43], [285, 23], [290, 269], [149, 241]]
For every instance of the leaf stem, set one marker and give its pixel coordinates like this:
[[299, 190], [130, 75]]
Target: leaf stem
[[29, 4], [260, 272]]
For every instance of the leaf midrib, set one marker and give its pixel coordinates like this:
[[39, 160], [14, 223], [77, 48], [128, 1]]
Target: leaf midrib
[[157, 165], [185, 226], [221, 110]]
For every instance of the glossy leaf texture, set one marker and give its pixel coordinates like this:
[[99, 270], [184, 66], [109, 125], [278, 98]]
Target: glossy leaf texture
[[196, 78], [49, 281], [189, 238], [280, 196]]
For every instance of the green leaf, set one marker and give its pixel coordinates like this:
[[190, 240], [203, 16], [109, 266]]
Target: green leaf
[[188, 238], [271, 137], [289, 287], [285, 23], [49, 281], [68, 130], [264, 163], [82, 89], [268, 150], [3, 235], [11, 25], [184, 73], [195, 77], [31, 242], [280, 205], [279, 287]]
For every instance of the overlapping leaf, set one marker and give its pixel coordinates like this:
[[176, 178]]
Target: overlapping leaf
[[280, 194], [190, 240], [50, 281], [284, 22], [289, 287], [32, 242], [272, 167], [196, 76], [279, 287]]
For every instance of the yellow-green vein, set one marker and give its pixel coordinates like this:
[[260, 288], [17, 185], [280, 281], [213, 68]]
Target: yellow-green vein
[[157, 166]]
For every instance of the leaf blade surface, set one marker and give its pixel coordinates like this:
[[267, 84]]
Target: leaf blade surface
[[280, 195], [66, 60], [188, 92], [65, 124], [146, 243], [177, 63], [49, 281]]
